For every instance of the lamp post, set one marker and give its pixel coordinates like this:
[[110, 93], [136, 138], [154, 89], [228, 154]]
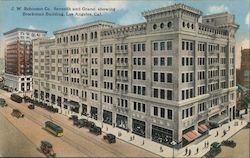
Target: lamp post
[[173, 143]]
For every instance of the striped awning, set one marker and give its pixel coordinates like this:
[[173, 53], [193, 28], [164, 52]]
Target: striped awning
[[202, 128], [191, 135]]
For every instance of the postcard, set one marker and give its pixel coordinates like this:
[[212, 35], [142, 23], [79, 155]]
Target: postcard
[[124, 78]]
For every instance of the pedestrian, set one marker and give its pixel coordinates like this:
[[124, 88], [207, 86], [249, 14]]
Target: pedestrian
[[224, 133], [217, 133], [228, 127], [161, 150], [186, 151], [207, 144], [189, 152], [133, 137], [197, 150], [142, 142], [241, 122]]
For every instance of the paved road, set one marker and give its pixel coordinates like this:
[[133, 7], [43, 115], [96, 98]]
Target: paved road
[[75, 142], [13, 143], [242, 139]]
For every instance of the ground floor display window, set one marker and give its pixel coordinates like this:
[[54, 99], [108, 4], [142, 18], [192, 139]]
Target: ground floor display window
[[138, 127], [162, 135], [107, 117], [93, 112], [122, 121]]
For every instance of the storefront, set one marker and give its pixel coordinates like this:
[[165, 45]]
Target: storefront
[[162, 135], [189, 135], [59, 101], [107, 117], [93, 112], [47, 97], [122, 121], [202, 127], [138, 127], [42, 95], [36, 94], [84, 110], [73, 106], [53, 99]]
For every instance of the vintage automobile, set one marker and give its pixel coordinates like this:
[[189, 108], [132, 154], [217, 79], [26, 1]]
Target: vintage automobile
[[110, 138], [229, 143], [215, 149], [31, 106], [3, 102], [95, 130], [16, 98], [248, 125], [47, 148], [17, 113], [73, 117]]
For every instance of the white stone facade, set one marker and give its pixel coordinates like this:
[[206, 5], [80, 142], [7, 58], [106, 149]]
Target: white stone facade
[[158, 79]]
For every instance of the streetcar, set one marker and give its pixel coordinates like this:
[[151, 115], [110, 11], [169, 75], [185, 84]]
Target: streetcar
[[53, 128], [16, 98]]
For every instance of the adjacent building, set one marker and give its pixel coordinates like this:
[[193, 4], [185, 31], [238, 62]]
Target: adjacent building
[[164, 79], [244, 73], [18, 57]]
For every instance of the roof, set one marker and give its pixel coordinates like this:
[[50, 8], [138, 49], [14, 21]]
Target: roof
[[99, 22], [172, 8], [24, 29]]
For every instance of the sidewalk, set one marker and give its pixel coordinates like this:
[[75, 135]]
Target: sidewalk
[[235, 126], [166, 151]]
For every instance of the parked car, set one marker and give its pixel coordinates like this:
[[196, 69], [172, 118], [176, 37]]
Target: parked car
[[31, 106], [3, 102], [81, 123], [110, 138], [73, 117], [17, 113], [95, 130], [215, 149], [229, 143]]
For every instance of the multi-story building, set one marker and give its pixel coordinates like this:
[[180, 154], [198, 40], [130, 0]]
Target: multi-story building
[[244, 76], [18, 57], [164, 79]]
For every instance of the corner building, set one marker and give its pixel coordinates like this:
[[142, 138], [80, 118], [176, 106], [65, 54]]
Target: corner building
[[164, 79], [18, 57]]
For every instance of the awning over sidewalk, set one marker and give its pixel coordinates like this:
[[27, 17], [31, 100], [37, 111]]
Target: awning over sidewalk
[[72, 104], [202, 128], [191, 135], [219, 119]]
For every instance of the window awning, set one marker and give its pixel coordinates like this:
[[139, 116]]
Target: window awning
[[202, 128], [219, 119], [72, 104], [191, 135]]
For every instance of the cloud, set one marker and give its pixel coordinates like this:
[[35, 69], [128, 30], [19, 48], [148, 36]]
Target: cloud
[[248, 19], [244, 44], [217, 9], [88, 5], [32, 27], [133, 14]]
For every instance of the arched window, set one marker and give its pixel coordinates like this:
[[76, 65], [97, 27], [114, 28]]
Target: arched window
[[154, 26], [169, 24], [162, 25]]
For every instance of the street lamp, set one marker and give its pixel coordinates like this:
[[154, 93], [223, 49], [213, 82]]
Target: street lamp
[[173, 143]]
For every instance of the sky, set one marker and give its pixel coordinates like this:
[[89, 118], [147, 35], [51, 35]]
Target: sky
[[126, 12]]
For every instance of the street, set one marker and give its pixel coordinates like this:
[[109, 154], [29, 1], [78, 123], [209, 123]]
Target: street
[[75, 142], [242, 139], [18, 145]]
